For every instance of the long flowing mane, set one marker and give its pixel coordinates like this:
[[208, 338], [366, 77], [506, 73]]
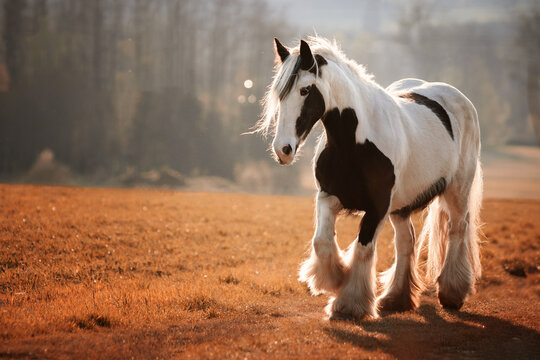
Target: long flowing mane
[[286, 74]]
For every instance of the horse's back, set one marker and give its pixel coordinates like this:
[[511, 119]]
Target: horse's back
[[404, 84], [435, 144], [449, 97]]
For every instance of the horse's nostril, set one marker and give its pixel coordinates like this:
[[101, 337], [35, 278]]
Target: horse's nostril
[[287, 149]]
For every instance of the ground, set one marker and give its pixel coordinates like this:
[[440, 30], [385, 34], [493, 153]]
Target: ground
[[110, 273]]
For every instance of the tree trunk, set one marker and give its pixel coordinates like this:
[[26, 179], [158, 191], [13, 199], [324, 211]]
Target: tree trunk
[[533, 96], [13, 12]]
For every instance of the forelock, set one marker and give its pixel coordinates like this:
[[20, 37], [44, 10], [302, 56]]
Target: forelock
[[287, 76]]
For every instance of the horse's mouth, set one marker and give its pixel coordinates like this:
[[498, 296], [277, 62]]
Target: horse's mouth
[[282, 162], [284, 158]]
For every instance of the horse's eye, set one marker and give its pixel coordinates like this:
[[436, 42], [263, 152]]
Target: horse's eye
[[305, 90]]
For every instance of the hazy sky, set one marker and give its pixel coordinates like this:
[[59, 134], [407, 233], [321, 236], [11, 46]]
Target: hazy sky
[[344, 16]]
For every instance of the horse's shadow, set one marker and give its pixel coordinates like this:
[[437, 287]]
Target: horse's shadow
[[432, 336]]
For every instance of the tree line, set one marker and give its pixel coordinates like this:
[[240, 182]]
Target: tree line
[[109, 84]]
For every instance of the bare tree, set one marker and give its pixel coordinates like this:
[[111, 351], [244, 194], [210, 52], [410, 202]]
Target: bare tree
[[529, 43], [13, 37]]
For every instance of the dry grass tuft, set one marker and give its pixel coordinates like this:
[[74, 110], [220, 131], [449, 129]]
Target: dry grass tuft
[[229, 279], [91, 321], [199, 303]]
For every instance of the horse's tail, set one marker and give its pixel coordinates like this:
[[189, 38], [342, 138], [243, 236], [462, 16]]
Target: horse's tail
[[475, 232], [435, 232]]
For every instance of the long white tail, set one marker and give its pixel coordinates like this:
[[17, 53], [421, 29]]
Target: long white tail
[[475, 231], [435, 232]]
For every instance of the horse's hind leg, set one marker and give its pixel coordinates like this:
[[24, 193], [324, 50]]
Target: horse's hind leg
[[324, 270], [401, 282], [456, 280]]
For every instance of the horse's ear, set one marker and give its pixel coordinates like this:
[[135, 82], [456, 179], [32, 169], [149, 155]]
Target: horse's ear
[[306, 57], [281, 50]]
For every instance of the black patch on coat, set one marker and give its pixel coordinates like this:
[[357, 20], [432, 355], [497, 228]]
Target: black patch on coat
[[360, 175], [312, 111], [423, 199], [433, 106], [320, 63]]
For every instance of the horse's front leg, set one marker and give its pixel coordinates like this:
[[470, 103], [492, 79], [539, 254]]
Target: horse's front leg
[[324, 270], [357, 296]]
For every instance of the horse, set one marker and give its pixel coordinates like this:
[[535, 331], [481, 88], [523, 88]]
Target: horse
[[385, 153]]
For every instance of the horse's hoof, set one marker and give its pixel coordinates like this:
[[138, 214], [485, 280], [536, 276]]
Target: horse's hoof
[[451, 306], [337, 316], [449, 303], [396, 303]]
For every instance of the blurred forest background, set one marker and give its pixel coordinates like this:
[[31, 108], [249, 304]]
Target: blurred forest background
[[120, 93]]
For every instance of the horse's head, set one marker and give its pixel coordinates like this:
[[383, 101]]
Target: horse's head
[[296, 99]]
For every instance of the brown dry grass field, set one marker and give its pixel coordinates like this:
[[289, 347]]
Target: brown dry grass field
[[118, 274]]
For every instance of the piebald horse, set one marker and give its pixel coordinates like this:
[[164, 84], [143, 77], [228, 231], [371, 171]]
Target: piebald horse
[[386, 153]]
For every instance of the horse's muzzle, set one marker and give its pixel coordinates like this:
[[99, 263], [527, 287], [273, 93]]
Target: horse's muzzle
[[285, 155]]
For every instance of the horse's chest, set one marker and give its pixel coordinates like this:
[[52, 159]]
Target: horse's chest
[[339, 175], [360, 175]]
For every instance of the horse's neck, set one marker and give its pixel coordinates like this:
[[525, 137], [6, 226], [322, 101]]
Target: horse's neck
[[372, 104]]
